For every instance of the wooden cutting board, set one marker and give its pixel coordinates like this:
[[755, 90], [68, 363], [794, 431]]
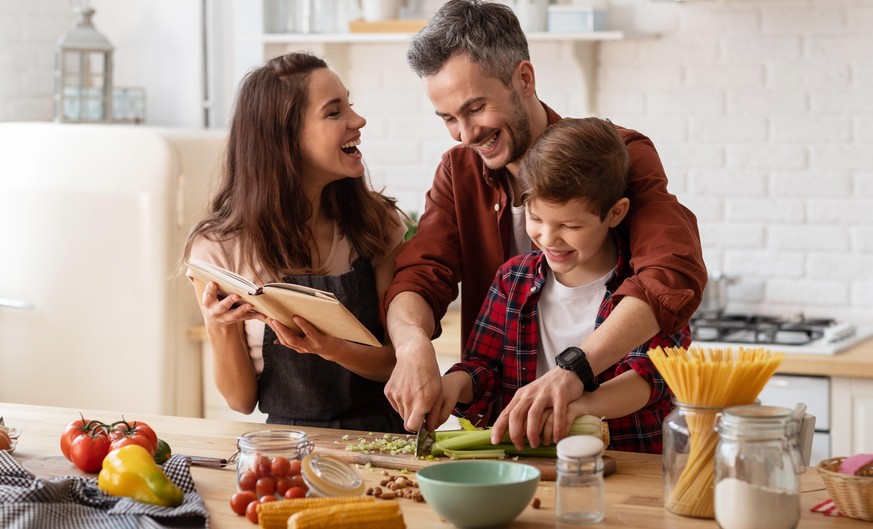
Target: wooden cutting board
[[332, 444]]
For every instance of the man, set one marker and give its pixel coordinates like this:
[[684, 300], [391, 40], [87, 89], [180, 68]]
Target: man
[[474, 61]]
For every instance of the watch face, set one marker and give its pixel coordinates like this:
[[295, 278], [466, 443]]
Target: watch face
[[571, 356]]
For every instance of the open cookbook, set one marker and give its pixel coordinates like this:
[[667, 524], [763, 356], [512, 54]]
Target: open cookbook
[[282, 301]]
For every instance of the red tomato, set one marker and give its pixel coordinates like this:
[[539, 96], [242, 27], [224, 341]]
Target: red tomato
[[295, 492], [142, 432], [248, 480], [135, 440], [283, 483], [297, 481], [294, 468], [280, 466], [266, 486], [261, 466], [75, 429], [87, 451], [265, 499], [241, 500], [252, 512]]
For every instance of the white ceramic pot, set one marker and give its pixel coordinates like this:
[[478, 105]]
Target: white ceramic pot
[[375, 10]]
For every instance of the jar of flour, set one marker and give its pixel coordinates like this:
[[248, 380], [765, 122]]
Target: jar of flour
[[757, 468]]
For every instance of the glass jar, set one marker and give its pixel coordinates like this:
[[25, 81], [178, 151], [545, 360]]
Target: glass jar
[[261, 455], [757, 468], [579, 492], [688, 458], [328, 476]]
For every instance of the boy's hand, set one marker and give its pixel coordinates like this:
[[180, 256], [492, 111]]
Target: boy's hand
[[524, 415], [457, 387]]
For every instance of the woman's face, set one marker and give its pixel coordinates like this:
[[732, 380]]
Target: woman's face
[[331, 132]]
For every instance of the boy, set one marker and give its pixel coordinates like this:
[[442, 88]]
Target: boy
[[573, 186]]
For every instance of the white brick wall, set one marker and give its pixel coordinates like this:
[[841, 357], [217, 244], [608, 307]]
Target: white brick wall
[[761, 111], [779, 90]]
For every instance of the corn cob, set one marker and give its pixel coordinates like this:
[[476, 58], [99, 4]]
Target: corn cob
[[378, 515], [275, 514]]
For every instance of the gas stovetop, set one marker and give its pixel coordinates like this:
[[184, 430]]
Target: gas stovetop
[[799, 334]]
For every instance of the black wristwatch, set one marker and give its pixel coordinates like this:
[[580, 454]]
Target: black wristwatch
[[573, 359]]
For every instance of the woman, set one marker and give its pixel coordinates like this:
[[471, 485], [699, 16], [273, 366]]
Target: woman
[[293, 206]]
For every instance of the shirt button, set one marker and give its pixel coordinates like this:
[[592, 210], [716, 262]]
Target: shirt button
[[534, 288], [496, 207]]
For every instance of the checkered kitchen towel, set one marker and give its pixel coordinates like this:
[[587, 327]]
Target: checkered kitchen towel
[[73, 502]]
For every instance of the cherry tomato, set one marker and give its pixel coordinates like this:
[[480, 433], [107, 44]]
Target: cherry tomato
[[87, 451], [294, 468], [261, 466], [280, 466], [241, 500], [248, 480], [252, 512], [266, 486], [265, 499], [295, 492], [5, 440], [283, 483], [297, 481]]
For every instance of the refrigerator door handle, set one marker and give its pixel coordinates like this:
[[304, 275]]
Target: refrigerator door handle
[[15, 303]]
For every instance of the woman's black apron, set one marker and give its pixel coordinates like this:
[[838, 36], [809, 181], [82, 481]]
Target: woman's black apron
[[307, 390]]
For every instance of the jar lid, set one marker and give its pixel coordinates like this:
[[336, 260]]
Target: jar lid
[[577, 446], [758, 412], [329, 476], [290, 443]]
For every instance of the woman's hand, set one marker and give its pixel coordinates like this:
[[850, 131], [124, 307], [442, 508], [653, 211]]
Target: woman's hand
[[312, 341], [222, 311]]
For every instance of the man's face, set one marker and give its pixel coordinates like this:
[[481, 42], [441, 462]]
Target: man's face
[[480, 111]]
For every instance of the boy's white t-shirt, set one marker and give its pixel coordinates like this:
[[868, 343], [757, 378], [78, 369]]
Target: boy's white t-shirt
[[566, 316]]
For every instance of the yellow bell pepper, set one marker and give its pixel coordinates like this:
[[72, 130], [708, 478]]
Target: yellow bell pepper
[[130, 471]]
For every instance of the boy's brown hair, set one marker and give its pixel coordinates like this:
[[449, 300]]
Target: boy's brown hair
[[582, 159]]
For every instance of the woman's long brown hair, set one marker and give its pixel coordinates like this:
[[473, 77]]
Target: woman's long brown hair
[[260, 199]]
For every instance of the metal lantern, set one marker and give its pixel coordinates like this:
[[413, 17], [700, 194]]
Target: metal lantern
[[83, 73]]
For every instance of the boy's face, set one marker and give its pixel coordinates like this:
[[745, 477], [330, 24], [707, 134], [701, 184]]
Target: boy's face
[[480, 111], [575, 242]]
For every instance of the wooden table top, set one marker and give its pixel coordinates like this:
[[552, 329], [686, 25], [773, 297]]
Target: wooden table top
[[633, 493]]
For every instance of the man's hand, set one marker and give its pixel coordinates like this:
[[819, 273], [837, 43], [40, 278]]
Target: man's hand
[[525, 414], [415, 388]]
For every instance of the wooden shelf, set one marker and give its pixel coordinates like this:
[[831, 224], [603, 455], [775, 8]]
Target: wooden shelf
[[351, 38]]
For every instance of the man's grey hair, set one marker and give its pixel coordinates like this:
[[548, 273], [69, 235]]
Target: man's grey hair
[[488, 32]]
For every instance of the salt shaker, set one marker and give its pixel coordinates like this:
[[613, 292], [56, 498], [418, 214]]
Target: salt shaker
[[579, 495], [757, 468]]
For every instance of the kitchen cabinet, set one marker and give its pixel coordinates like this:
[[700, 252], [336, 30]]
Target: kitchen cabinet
[[851, 416]]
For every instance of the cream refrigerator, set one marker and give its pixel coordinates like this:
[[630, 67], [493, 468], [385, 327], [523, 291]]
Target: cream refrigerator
[[93, 312]]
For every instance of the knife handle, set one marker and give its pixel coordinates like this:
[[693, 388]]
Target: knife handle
[[211, 462]]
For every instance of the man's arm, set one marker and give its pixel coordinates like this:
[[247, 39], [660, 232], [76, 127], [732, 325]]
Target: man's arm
[[414, 389], [669, 273]]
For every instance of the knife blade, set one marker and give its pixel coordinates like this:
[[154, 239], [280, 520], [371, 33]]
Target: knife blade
[[424, 440]]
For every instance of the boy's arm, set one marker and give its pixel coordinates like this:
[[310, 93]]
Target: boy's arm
[[618, 397], [623, 395]]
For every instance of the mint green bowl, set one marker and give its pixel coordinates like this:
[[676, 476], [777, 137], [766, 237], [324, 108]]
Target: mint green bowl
[[477, 494]]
